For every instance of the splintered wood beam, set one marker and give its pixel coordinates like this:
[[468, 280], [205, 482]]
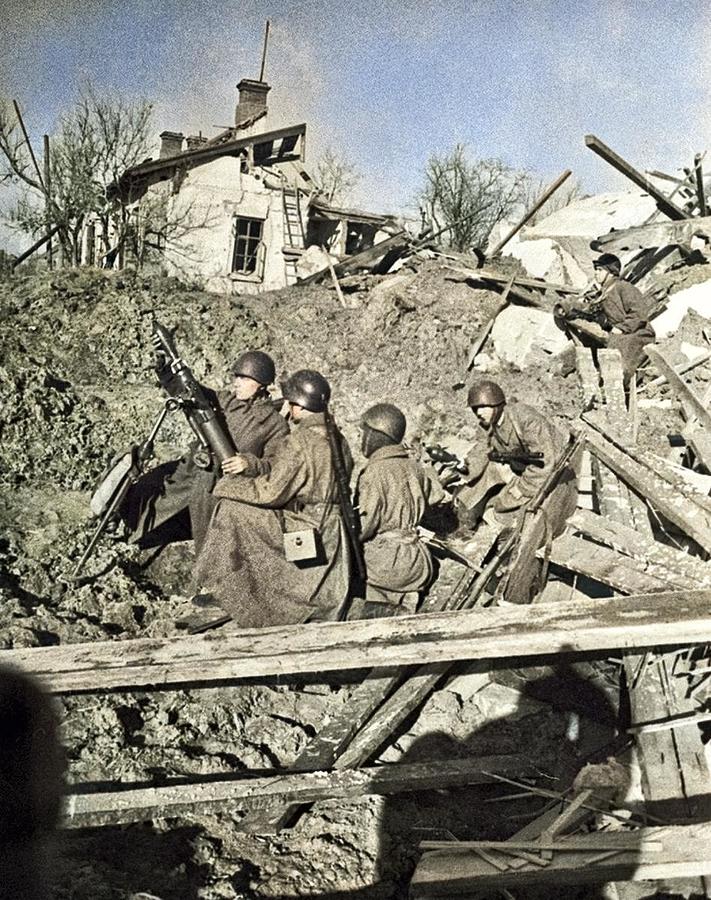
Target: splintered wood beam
[[665, 619], [617, 162], [83, 810], [683, 853], [660, 234], [662, 561], [665, 497]]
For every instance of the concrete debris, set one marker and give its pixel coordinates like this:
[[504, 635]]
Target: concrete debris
[[523, 336], [697, 298]]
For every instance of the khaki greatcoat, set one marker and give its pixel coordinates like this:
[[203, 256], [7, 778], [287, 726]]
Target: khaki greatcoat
[[393, 493], [242, 563]]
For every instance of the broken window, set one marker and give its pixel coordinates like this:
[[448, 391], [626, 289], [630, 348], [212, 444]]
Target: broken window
[[247, 258]]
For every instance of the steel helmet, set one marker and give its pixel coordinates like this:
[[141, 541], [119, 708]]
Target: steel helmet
[[307, 388], [387, 419], [257, 365], [485, 393], [609, 262]]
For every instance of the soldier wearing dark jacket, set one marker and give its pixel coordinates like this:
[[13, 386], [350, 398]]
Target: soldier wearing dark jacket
[[174, 501], [621, 309], [243, 570], [393, 493]]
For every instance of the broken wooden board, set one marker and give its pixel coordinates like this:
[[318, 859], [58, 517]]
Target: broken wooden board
[[659, 234], [664, 204], [325, 748], [684, 392], [83, 810], [362, 260], [669, 499], [684, 853], [607, 566], [659, 559], [667, 619]]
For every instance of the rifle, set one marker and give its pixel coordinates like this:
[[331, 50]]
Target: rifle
[[343, 488], [523, 457], [180, 384]]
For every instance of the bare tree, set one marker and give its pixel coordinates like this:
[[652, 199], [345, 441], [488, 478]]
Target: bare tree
[[468, 197], [94, 144], [335, 176]]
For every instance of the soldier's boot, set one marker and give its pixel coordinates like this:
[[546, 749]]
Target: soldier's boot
[[206, 615]]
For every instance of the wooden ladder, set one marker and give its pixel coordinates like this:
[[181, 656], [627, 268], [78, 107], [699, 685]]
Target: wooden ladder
[[294, 233]]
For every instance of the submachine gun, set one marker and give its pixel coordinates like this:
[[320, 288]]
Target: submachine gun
[[185, 393]]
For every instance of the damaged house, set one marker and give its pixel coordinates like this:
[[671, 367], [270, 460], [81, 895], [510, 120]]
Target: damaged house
[[240, 210]]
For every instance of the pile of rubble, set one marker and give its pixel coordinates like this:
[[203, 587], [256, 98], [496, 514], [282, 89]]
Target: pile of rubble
[[412, 326]]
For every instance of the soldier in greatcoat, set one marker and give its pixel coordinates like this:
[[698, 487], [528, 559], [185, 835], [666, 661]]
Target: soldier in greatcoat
[[174, 501], [243, 569], [393, 492]]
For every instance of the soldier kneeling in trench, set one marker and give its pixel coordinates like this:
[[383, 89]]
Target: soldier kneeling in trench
[[506, 471], [393, 492]]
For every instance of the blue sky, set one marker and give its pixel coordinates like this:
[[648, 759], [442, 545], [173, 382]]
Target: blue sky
[[390, 82]]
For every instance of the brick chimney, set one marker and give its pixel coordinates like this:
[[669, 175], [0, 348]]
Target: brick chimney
[[195, 141], [171, 143], [252, 99]]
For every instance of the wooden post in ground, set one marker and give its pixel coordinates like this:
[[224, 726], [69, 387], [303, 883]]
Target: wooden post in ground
[[48, 200]]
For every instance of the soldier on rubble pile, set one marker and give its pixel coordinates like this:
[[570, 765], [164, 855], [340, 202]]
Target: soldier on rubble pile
[[621, 309], [393, 493], [528, 446], [174, 501], [243, 571]]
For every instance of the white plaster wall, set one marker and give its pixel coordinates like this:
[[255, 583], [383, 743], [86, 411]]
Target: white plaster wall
[[215, 193]]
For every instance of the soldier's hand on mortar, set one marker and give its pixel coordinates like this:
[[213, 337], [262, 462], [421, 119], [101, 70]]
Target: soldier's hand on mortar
[[235, 465], [615, 330]]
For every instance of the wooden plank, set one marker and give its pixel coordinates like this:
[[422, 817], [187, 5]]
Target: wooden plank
[[686, 514], [536, 284], [142, 804], [683, 391], [663, 203], [659, 234], [607, 566], [666, 619], [684, 853], [680, 370], [348, 741], [660, 560], [361, 260], [530, 213], [486, 329]]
